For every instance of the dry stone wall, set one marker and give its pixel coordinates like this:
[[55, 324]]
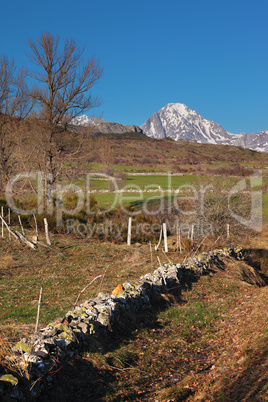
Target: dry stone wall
[[93, 319]]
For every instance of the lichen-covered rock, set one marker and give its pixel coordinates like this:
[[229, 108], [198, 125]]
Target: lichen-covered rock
[[49, 331], [10, 379], [30, 358], [67, 335], [62, 327], [22, 347], [84, 327], [104, 319]]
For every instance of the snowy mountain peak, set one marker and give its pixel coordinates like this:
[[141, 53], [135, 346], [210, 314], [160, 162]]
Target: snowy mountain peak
[[179, 122], [180, 108], [84, 120]]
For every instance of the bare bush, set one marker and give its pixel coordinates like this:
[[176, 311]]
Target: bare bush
[[14, 106]]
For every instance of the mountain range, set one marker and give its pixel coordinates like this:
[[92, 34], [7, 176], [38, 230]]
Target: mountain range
[[179, 122]]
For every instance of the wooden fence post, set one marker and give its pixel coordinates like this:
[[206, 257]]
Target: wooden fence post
[[38, 310], [178, 238], [9, 235], [36, 228], [151, 253], [21, 226], [46, 230], [18, 235], [165, 237], [160, 238], [129, 231], [192, 234], [2, 214]]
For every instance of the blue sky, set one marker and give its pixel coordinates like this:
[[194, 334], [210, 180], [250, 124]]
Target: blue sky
[[211, 55]]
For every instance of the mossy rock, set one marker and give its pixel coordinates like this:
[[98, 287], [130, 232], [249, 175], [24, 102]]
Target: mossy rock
[[104, 319], [22, 347], [81, 313], [61, 327], [92, 330], [10, 379], [67, 336]]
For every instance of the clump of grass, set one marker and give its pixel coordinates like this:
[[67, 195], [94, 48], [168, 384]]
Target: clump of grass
[[199, 314], [19, 366], [7, 263], [123, 358]]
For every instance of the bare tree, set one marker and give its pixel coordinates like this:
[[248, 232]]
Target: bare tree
[[64, 82], [14, 106], [106, 152]]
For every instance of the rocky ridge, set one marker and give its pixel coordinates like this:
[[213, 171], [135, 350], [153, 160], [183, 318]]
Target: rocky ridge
[[101, 126], [115, 128]]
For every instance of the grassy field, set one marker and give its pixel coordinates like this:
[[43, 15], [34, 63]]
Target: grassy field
[[124, 199], [139, 182], [63, 272], [165, 182]]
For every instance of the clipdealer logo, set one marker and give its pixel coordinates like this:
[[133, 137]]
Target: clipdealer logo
[[50, 198]]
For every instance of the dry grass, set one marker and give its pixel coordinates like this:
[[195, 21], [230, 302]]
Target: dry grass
[[7, 262]]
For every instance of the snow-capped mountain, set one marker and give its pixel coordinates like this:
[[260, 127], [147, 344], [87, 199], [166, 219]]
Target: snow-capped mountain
[[177, 121], [86, 121]]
